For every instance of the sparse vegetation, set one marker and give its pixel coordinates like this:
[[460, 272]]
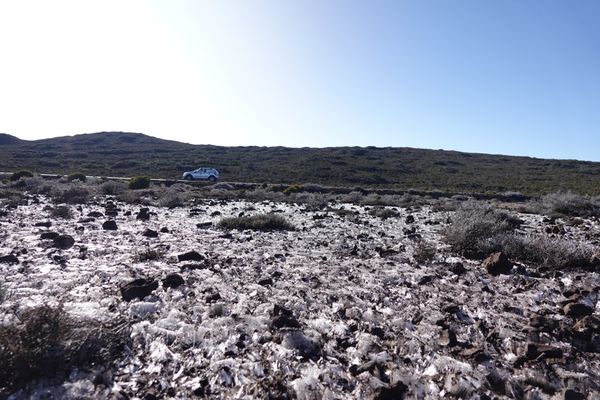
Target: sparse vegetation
[[44, 342], [77, 176], [61, 211], [23, 173], [424, 252], [259, 222], [149, 254], [139, 182], [566, 204], [383, 212], [113, 188], [473, 225], [71, 193]]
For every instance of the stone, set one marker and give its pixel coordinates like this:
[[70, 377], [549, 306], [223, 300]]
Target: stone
[[458, 268], [304, 345], [497, 263], [49, 235], [410, 219], [571, 394], [95, 214], [173, 281], [164, 230], [396, 391], [577, 310], [143, 214], [64, 242], [204, 225], [46, 224], [265, 282], [110, 225], [150, 233], [191, 256], [138, 289], [541, 351], [9, 259]]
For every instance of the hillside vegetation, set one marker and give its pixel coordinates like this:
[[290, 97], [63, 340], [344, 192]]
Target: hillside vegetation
[[131, 154]]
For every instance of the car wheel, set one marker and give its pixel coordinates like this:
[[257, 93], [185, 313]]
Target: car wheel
[[188, 178], [212, 178]]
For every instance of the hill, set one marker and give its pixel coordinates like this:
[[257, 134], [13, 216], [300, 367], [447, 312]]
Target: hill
[[129, 154]]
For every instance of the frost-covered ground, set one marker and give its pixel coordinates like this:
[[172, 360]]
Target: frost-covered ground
[[337, 309]]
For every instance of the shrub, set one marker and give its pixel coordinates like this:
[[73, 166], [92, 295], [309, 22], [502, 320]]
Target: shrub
[[383, 213], [23, 173], [260, 222], [113, 188], [472, 227], [45, 343], [567, 203], [544, 251], [149, 254], [61, 212], [424, 252], [77, 176], [71, 194], [37, 185], [293, 189], [139, 182], [3, 293]]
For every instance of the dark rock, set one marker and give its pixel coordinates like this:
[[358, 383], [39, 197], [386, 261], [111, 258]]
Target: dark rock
[[95, 214], [191, 256], [9, 259], [150, 233], [215, 213], [49, 235], [458, 268], [86, 220], [577, 310], [304, 345], [497, 264], [425, 280], [265, 282], [46, 224], [212, 297], [173, 281], [410, 219], [138, 288], [497, 382], [536, 351], [396, 391], [571, 394], [164, 230], [378, 331], [203, 225], [143, 214], [64, 242], [110, 225], [216, 310], [193, 267], [285, 321]]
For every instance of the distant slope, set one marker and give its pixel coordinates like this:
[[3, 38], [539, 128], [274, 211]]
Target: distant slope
[[9, 139], [127, 154]]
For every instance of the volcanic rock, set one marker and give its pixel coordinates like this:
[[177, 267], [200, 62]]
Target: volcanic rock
[[164, 230], [410, 219], [265, 282], [143, 214], [49, 235], [46, 224], [138, 288], [497, 264], [173, 281], [110, 225], [64, 242], [190, 256], [150, 233], [577, 310], [95, 214], [9, 259]]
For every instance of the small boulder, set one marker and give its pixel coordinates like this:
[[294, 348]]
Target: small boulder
[[173, 281], [410, 219], [95, 214], [191, 256], [498, 263], [164, 230], [138, 289], [63, 242], [110, 225], [150, 233], [265, 282], [577, 310], [49, 235], [9, 259], [143, 214], [46, 224]]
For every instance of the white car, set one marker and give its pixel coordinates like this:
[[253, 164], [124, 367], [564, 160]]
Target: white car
[[203, 173]]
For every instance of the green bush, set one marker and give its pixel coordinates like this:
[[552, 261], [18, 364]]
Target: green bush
[[260, 222], [139, 182], [77, 176], [23, 173]]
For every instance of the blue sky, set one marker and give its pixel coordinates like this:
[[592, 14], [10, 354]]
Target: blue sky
[[512, 77]]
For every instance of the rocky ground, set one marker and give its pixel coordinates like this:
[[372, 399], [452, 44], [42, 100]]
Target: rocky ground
[[339, 308]]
